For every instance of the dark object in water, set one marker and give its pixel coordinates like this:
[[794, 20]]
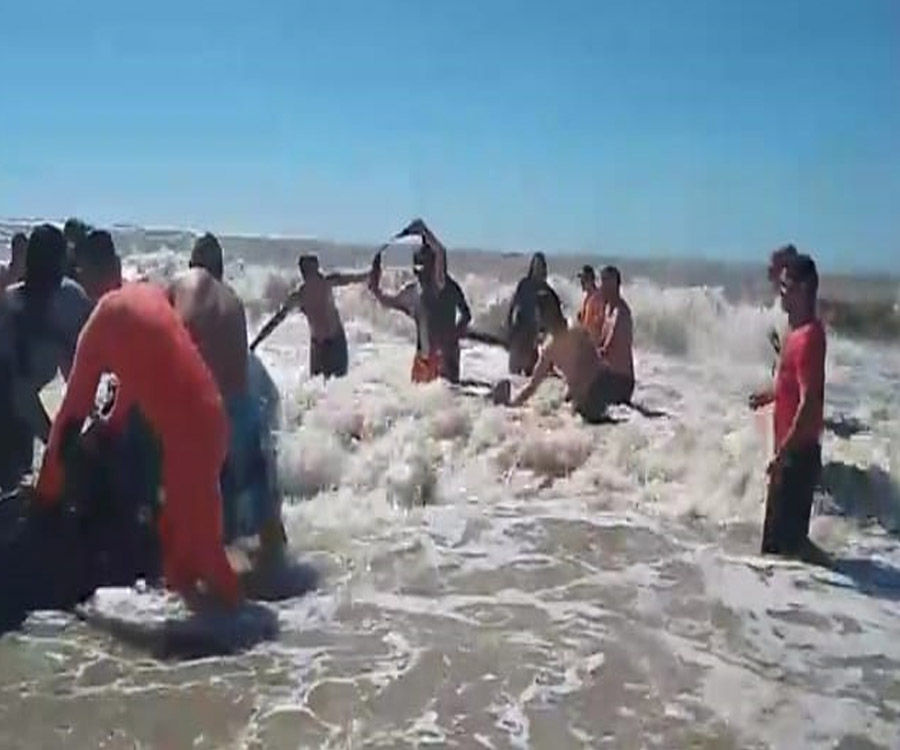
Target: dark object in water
[[96, 535]]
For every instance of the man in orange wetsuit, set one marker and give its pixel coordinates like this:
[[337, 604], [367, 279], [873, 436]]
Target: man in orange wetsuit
[[135, 333]]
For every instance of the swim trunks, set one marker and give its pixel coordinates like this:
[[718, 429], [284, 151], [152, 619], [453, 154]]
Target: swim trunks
[[426, 367], [248, 497], [789, 502], [608, 388], [329, 357]]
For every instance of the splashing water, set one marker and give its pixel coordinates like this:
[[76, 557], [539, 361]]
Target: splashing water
[[514, 578]]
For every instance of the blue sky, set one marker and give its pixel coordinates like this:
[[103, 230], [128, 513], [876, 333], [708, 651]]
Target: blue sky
[[649, 127]]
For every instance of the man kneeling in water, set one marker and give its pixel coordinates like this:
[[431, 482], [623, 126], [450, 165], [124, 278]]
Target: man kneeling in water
[[571, 350], [214, 315]]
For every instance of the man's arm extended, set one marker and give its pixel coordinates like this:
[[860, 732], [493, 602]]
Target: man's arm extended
[[401, 301], [345, 279], [544, 365], [292, 302]]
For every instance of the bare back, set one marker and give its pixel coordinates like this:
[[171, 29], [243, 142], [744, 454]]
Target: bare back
[[573, 353], [215, 317], [315, 299]]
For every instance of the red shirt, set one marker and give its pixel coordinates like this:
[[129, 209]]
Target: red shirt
[[801, 369]]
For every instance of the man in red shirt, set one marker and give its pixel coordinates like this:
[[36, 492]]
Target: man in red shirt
[[798, 395]]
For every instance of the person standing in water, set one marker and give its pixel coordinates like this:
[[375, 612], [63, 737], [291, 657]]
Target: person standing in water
[[15, 269], [75, 231], [435, 302], [799, 396], [214, 316], [44, 316], [590, 315], [616, 338], [97, 264], [328, 354], [522, 323]]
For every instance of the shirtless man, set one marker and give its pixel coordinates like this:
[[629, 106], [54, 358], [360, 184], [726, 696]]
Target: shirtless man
[[315, 299], [214, 316], [572, 352], [616, 338]]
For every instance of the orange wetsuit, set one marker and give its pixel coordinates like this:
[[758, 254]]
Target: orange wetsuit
[[590, 316], [135, 333]]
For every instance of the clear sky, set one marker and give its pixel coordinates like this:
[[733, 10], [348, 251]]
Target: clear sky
[[645, 127]]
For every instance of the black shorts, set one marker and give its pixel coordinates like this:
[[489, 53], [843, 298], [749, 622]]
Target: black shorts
[[329, 357], [608, 388], [789, 503], [450, 362]]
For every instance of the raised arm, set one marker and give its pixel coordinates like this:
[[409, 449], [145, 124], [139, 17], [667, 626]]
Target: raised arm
[[345, 279]]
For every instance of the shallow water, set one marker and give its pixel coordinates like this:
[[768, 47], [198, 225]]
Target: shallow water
[[513, 578]]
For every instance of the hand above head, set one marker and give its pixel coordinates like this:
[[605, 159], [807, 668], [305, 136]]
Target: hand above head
[[416, 228]]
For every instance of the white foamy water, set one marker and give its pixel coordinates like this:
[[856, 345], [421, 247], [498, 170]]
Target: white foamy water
[[496, 578]]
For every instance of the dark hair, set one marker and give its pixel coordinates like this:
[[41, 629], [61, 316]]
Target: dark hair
[[612, 271], [587, 272], [535, 259], [307, 262], [75, 230], [801, 269], [45, 260], [96, 251], [549, 310], [207, 254]]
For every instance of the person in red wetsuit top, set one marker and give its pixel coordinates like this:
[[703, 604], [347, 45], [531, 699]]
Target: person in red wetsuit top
[[799, 396], [135, 333]]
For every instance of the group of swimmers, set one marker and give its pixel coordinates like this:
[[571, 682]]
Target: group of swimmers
[[178, 355], [594, 356]]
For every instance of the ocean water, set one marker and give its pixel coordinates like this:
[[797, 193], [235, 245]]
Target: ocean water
[[498, 578]]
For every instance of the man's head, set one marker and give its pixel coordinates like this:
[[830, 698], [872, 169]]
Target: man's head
[[537, 270], [75, 230], [799, 286], [45, 259], [99, 267], [550, 315], [207, 254], [777, 261], [423, 265], [309, 265], [587, 278], [610, 282]]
